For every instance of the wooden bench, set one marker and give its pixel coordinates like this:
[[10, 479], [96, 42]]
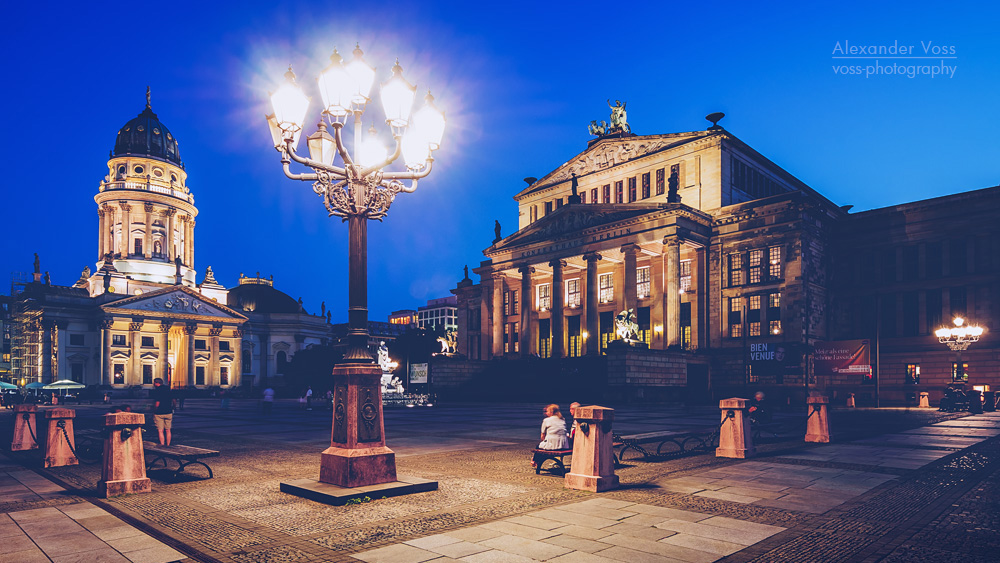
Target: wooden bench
[[555, 455], [183, 455]]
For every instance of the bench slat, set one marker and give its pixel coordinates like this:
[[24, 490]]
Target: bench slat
[[178, 451]]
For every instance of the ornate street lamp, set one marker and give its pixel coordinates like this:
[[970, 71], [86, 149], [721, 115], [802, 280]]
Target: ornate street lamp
[[358, 189], [958, 338]]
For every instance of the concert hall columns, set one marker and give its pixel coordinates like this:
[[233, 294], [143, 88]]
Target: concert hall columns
[[558, 302], [593, 341], [527, 304]]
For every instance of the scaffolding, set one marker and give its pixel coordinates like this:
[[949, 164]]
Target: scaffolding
[[26, 332]]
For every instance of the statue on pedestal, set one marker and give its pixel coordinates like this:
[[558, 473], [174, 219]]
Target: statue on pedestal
[[625, 326]]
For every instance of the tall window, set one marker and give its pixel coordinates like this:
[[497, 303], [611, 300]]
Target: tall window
[[199, 375], [685, 326], [631, 189], [645, 185], [607, 193], [137, 247], [548, 207], [583, 197], [506, 338], [774, 313], [514, 336], [544, 301], [642, 283], [606, 288], [912, 374], [76, 370], [619, 192], [735, 269], [506, 303], [224, 375], [573, 334], [514, 305], [593, 195], [660, 181], [642, 319], [607, 328], [959, 371], [247, 358], [685, 275], [544, 338], [774, 262], [736, 317], [753, 315], [756, 265], [119, 374], [281, 358], [573, 292]]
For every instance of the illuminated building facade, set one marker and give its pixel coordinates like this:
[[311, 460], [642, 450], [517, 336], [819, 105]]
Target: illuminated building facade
[[439, 314], [718, 252], [142, 314]]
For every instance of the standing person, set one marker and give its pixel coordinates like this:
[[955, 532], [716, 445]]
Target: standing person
[[163, 410], [309, 398], [571, 423], [268, 400], [225, 398], [553, 432]]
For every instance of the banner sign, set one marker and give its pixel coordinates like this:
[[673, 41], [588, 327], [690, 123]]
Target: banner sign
[[842, 357], [774, 358], [418, 373]]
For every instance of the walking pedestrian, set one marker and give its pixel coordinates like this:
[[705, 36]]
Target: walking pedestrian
[[163, 410], [268, 401]]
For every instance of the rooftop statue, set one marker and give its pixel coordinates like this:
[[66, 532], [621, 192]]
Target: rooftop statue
[[496, 231], [619, 117]]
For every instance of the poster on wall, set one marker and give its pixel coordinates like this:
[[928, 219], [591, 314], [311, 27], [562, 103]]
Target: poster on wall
[[418, 373], [774, 358], [842, 357]]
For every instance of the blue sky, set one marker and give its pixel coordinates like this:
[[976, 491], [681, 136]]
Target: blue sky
[[519, 81]]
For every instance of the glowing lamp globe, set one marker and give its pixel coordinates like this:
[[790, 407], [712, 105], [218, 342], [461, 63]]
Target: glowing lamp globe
[[290, 104], [397, 98], [362, 77], [336, 87], [372, 152], [415, 149], [429, 121]]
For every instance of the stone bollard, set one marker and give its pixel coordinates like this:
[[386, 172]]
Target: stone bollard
[[818, 423], [59, 442], [850, 400], [24, 428], [925, 400], [124, 470], [989, 401], [593, 467], [735, 437], [975, 401]]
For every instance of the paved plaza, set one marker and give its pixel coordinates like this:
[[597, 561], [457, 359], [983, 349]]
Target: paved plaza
[[895, 485]]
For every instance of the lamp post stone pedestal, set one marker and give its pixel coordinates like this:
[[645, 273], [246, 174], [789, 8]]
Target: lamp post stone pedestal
[[24, 428], [357, 455]]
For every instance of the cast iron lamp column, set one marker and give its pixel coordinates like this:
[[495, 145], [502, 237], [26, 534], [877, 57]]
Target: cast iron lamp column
[[359, 190]]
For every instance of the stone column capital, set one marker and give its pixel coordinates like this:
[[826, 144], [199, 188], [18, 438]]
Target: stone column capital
[[558, 263], [148, 207], [630, 248], [672, 240], [592, 257], [107, 323], [190, 328], [135, 326], [215, 331], [238, 333], [100, 212], [526, 269], [497, 275], [169, 212], [165, 326], [124, 205]]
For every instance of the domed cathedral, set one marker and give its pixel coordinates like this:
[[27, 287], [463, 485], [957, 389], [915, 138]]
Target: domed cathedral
[[142, 314], [146, 212]]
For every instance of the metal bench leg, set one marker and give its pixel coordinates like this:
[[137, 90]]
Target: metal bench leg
[[185, 464]]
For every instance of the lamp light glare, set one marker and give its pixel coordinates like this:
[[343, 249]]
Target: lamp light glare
[[362, 77], [336, 87], [415, 150], [372, 152], [397, 98], [290, 104], [429, 122]]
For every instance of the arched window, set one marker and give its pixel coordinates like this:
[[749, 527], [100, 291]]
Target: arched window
[[282, 359], [247, 361]]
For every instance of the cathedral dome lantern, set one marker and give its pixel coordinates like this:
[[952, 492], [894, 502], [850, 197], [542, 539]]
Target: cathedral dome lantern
[[146, 212], [145, 135]]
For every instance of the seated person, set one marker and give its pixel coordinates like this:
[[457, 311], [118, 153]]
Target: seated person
[[553, 433]]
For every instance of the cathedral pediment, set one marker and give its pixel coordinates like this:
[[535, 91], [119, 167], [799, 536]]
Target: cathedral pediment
[[611, 152], [178, 302]]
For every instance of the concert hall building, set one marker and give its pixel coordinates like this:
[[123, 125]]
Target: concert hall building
[[725, 258]]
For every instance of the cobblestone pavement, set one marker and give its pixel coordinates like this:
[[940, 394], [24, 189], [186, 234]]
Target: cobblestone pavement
[[478, 455]]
